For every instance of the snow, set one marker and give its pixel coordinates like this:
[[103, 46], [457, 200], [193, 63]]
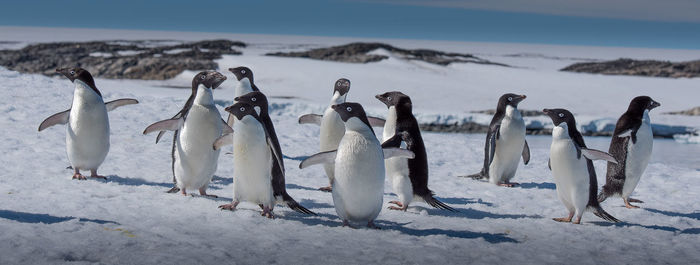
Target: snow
[[47, 218]]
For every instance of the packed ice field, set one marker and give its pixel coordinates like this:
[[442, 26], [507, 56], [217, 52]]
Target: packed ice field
[[45, 217]]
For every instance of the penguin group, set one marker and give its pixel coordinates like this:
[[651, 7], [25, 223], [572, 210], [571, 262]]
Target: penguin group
[[356, 161]]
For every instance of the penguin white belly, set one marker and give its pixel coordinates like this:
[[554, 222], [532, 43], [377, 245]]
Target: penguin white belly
[[509, 149], [332, 131], [638, 156], [570, 175], [195, 159], [397, 167], [358, 188], [252, 160], [87, 133]]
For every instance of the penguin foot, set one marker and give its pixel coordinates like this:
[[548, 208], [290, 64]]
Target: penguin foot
[[565, 219], [93, 174], [78, 176], [229, 206], [401, 207], [346, 223], [634, 200], [577, 221], [326, 189], [174, 189], [628, 205], [267, 212], [371, 224], [203, 192], [508, 184], [183, 192]]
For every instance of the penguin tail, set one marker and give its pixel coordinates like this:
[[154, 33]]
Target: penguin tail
[[294, 205], [437, 204], [603, 195], [598, 211]]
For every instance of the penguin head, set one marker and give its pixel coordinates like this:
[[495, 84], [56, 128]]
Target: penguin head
[[242, 72], [642, 103], [342, 86], [209, 79], [242, 109], [81, 74], [350, 110], [255, 99], [560, 116], [510, 99], [395, 99]]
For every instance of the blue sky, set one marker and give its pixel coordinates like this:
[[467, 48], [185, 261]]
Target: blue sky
[[628, 23]]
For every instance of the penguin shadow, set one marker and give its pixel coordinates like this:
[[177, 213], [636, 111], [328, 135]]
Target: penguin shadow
[[692, 231], [543, 185], [135, 182], [626, 224], [461, 201], [478, 214], [311, 205], [492, 238], [295, 158], [35, 218], [299, 187], [695, 215]]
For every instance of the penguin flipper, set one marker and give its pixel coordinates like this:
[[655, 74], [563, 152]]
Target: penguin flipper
[[491, 146], [311, 119], [398, 152], [593, 154], [526, 153], [120, 102], [320, 158], [227, 128], [58, 118], [224, 140], [230, 119], [376, 122], [165, 125]]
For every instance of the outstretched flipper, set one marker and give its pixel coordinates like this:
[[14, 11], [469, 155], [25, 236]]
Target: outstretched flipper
[[120, 102], [224, 140], [593, 154], [319, 158], [376, 122], [58, 118], [311, 119], [165, 125]]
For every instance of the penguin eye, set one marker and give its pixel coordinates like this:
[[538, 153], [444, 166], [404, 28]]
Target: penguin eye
[[561, 115], [338, 84], [510, 98], [388, 98], [242, 71], [253, 99], [202, 77], [242, 109], [349, 109], [72, 72]]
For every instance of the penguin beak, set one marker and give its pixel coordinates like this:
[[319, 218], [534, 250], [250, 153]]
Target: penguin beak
[[236, 73], [546, 111], [334, 107], [654, 104], [237, 99]]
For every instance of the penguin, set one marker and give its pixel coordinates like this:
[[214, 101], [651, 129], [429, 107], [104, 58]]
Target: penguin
[[258, 101], [332, 127], [87, 133], [505, 143], [631, 146], [572, 167], [408, 177], [196, 127], [358, 186], [246, 84]]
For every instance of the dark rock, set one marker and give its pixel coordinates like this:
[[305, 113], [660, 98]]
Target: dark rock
[[358, 52], [524, 113], [691, 112], [120, 59], [639, 67]]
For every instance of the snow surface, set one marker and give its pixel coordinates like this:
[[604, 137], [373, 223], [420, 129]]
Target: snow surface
[[45, 217]]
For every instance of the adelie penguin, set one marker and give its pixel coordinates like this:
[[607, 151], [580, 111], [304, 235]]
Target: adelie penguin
[[87, 133], [332, 127], [358, 187], [246, 84], [572, 168], [505, 143], [257, 156], [631, 146], [408, 177], [196, 128]]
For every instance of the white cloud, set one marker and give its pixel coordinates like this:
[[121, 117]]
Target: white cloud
[[654, 10]]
